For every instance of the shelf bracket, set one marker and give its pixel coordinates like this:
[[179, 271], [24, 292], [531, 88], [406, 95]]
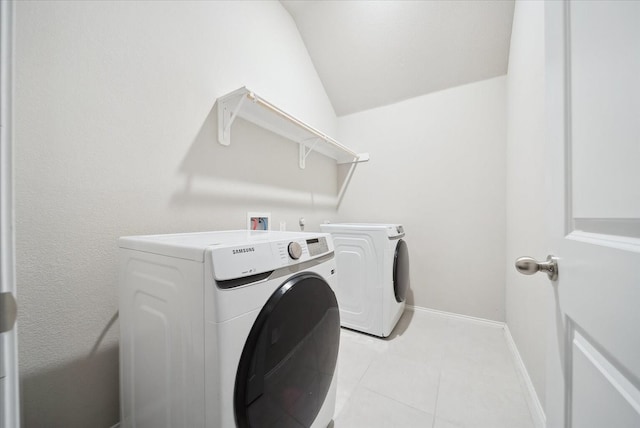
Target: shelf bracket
[[226, 116], [304, 152], [359, 158]]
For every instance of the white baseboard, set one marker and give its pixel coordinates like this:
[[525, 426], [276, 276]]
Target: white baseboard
[[116, 425], [475, 320], [535, 407]]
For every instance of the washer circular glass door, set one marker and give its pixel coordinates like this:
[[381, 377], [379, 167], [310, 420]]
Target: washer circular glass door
[[401, 271], [290, 356]]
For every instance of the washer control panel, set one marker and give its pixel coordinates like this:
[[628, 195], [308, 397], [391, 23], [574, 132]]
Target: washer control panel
[[253, 257], [301, 249]]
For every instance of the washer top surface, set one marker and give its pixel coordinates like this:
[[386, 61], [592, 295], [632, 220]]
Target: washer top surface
[[192, 245]]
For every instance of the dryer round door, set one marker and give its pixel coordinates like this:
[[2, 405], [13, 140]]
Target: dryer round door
[[401, 271], [289, 358]]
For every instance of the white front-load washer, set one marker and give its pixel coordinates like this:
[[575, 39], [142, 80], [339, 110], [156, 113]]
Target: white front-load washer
[[225, 329], [373, 274]]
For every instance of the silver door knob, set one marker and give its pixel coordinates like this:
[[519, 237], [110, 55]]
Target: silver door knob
[[529, 266]]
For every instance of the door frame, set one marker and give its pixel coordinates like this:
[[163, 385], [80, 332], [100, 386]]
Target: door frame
[[9, 392], [558, 189]]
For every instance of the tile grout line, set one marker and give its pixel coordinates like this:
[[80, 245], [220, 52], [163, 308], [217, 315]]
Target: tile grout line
[[344, 406], [395, 400], [435, 406], [364, 373], [440, 371]]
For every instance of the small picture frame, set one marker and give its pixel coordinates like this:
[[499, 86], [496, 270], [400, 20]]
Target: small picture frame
[[258, 221]]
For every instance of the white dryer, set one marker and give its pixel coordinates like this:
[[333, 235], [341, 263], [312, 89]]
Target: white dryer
[[225, 329], [373, 275]]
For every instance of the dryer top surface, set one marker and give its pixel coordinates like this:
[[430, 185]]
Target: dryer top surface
[[391, 229]]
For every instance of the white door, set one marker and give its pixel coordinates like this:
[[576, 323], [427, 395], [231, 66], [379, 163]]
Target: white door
[[9, 414], [593, 124]]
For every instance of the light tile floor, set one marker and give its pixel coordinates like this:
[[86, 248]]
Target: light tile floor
[[432, 372]]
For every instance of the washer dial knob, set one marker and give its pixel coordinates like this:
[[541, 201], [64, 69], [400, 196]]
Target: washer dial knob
[[295, 250]]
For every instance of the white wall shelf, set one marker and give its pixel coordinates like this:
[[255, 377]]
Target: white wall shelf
[[249, 106]]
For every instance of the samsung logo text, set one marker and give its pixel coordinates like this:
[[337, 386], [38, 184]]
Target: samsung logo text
[[244, 250]]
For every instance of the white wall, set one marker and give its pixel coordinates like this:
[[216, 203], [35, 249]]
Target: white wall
[[438, 167], [115, 135], [527, 297]]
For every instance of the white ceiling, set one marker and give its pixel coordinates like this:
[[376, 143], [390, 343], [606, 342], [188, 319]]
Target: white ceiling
[[373, 53]]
